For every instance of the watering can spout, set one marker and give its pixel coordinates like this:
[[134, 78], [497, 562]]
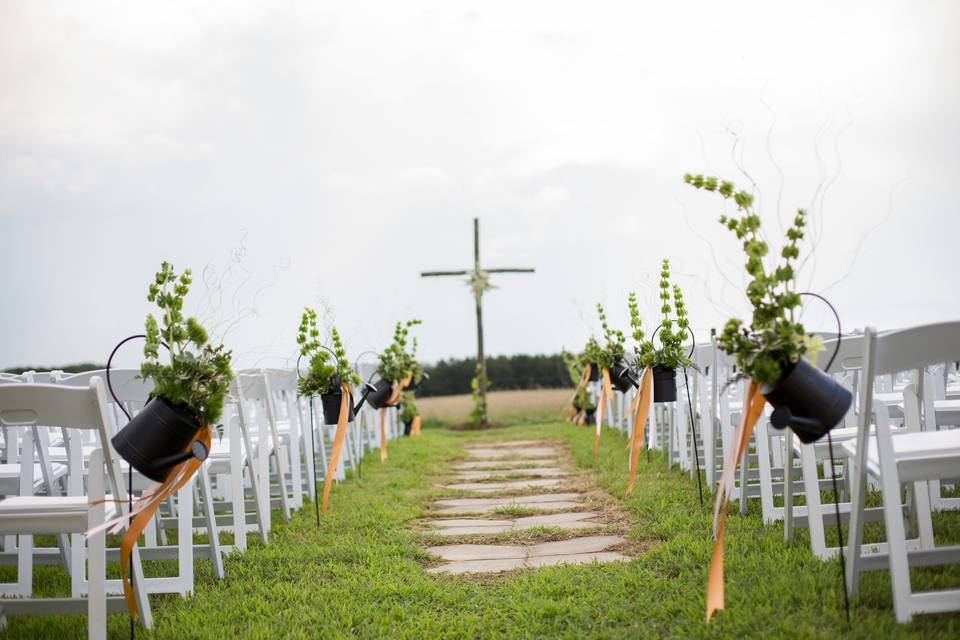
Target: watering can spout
[[198, 450], [367, 388]]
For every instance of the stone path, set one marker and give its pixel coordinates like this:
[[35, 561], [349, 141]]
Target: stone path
[[493, 469]]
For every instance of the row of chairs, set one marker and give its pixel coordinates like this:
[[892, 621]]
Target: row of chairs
[[60, 478], [900, 439]]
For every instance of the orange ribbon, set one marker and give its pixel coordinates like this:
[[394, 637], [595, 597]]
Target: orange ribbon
[[415, 426], [752, 409], [338, 439], [394, 399], [631, 411], [176, 479], [605, 392], [641, 410], [383, 434]]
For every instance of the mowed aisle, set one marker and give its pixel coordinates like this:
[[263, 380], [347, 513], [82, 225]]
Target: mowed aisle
[[531, 498]]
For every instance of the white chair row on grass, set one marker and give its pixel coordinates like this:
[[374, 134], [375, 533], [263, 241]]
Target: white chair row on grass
[[59, 478], [899, 442]]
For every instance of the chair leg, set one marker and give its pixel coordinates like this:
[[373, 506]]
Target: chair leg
[[921, 495], [279, 469], [893, 519], [811, 490], [140, 589], [24, 565], [97, 567], [216, 555]]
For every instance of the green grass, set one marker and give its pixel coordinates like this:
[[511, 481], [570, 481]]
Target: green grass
[[360, 574]]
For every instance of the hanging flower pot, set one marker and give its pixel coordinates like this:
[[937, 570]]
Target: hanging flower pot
[[594, 372], [153, 442], [664, 384], [331, 407], [808, 401], [621, 377], [378, 397]]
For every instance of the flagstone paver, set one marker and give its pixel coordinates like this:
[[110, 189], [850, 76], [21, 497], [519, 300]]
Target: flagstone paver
[[491, 487], [544, 472], [536, 506], [532, 452], [482, 505], [466, 558], [492, 461], [498, 464], [514, 444], [473, 526]]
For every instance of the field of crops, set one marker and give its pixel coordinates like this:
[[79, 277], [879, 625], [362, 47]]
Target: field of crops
[[505, 406]]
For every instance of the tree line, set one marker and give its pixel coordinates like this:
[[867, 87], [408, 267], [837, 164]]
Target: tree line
[[453, 376]]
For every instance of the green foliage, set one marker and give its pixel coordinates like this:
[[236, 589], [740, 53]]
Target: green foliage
[[198, 376], [323, 366], [670, 354], [478, 415], [613, 350], [408, 407], [521, 371], [773, 341], [574, 366], [395, 362], [592, 352]]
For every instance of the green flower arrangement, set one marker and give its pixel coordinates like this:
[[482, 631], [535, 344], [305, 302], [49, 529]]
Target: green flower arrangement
[[613, 350], [395, 363], [773, 342], [592, 352], [408, 407], [321, 376], [671, 354], [198, 376]]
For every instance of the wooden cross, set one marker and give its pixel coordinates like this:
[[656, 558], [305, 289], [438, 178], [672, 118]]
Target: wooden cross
[[479, 281]]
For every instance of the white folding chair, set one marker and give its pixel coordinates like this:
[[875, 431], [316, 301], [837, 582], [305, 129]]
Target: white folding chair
[[911, 458], [33, 405]]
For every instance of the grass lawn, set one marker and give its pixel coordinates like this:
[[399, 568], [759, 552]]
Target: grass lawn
[[361, 573]]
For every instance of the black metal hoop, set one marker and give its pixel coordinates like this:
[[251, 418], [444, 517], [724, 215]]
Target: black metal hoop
[[693, 339], [110, 361]]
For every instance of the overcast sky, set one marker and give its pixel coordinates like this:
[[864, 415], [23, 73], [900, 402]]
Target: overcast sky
[[324, 153]]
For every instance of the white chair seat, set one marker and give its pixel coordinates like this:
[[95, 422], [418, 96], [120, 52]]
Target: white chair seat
[[10, 477], [46, 514], [919, 455], [59, 454], [948, 411]]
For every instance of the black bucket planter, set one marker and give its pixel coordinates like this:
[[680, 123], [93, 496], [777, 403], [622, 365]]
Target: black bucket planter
[[594, 372], [590, 416], [154, 440], [382, 390], [331, 407], [620, 377], [664, 384], [808, 401], [406, 428]]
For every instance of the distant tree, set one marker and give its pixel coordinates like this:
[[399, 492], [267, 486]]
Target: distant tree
[[66, 368], [453, 376]]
